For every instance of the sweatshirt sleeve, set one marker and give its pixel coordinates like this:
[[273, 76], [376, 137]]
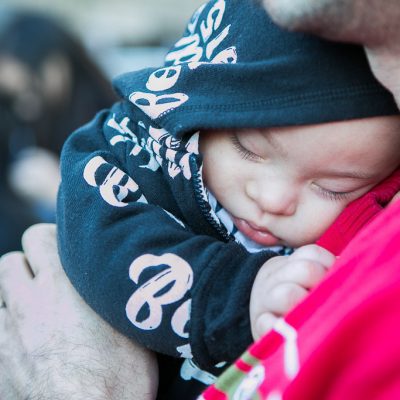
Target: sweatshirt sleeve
[[140, 267]]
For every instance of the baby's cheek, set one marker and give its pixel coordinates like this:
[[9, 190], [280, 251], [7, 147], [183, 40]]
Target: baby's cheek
[[315, 220]]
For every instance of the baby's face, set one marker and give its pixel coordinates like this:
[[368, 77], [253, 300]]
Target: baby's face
[[287, 185]]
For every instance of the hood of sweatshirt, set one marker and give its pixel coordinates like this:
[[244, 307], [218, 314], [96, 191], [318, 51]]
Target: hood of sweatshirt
[[234, 68]]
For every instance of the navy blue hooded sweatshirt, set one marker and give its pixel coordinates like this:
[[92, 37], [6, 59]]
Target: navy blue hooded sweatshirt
[[137, 237]]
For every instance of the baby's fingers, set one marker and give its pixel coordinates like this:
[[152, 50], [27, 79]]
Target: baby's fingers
[[305, 273], [314, 253], [276, 303], [283, 297], [263, 324]]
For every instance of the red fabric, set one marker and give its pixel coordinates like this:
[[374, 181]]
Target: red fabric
[[342, 341], [359, 213], [216, 394]]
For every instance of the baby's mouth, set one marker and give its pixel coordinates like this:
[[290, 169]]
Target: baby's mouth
[[259, 235]]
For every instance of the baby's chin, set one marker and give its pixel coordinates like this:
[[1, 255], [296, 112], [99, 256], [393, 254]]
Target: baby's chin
[[299, 242]]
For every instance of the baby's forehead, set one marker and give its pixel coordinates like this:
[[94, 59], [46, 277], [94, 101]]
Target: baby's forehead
[[386, 128], [374, 139]]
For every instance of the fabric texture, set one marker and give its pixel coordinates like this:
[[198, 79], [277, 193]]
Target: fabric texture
[[136, 234], [341, 342], [150, 260], [234, 68]]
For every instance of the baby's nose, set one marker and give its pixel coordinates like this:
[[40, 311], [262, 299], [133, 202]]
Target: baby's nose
[[273, 197]]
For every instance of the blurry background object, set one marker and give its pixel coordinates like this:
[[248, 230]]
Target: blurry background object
[[52, 85], [120, 34], [56, 63], [15, 213], [49, 86]]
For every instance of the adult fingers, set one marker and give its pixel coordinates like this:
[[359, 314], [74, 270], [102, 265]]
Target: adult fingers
[[15, 275], [39, 243]]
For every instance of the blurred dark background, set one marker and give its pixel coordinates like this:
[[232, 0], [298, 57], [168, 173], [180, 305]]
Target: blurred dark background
[[56, 62]]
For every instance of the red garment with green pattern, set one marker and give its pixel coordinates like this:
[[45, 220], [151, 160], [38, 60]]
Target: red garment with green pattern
[[342, 342]]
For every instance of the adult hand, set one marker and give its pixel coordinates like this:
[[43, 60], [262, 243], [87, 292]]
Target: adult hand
[[52, 345]]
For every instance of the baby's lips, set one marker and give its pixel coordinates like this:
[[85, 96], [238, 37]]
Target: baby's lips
[[259, 235]]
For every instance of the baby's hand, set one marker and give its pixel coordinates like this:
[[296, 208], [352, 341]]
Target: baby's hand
[[282, 282]]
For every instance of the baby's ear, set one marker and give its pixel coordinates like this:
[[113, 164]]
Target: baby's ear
[[56, 78]]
